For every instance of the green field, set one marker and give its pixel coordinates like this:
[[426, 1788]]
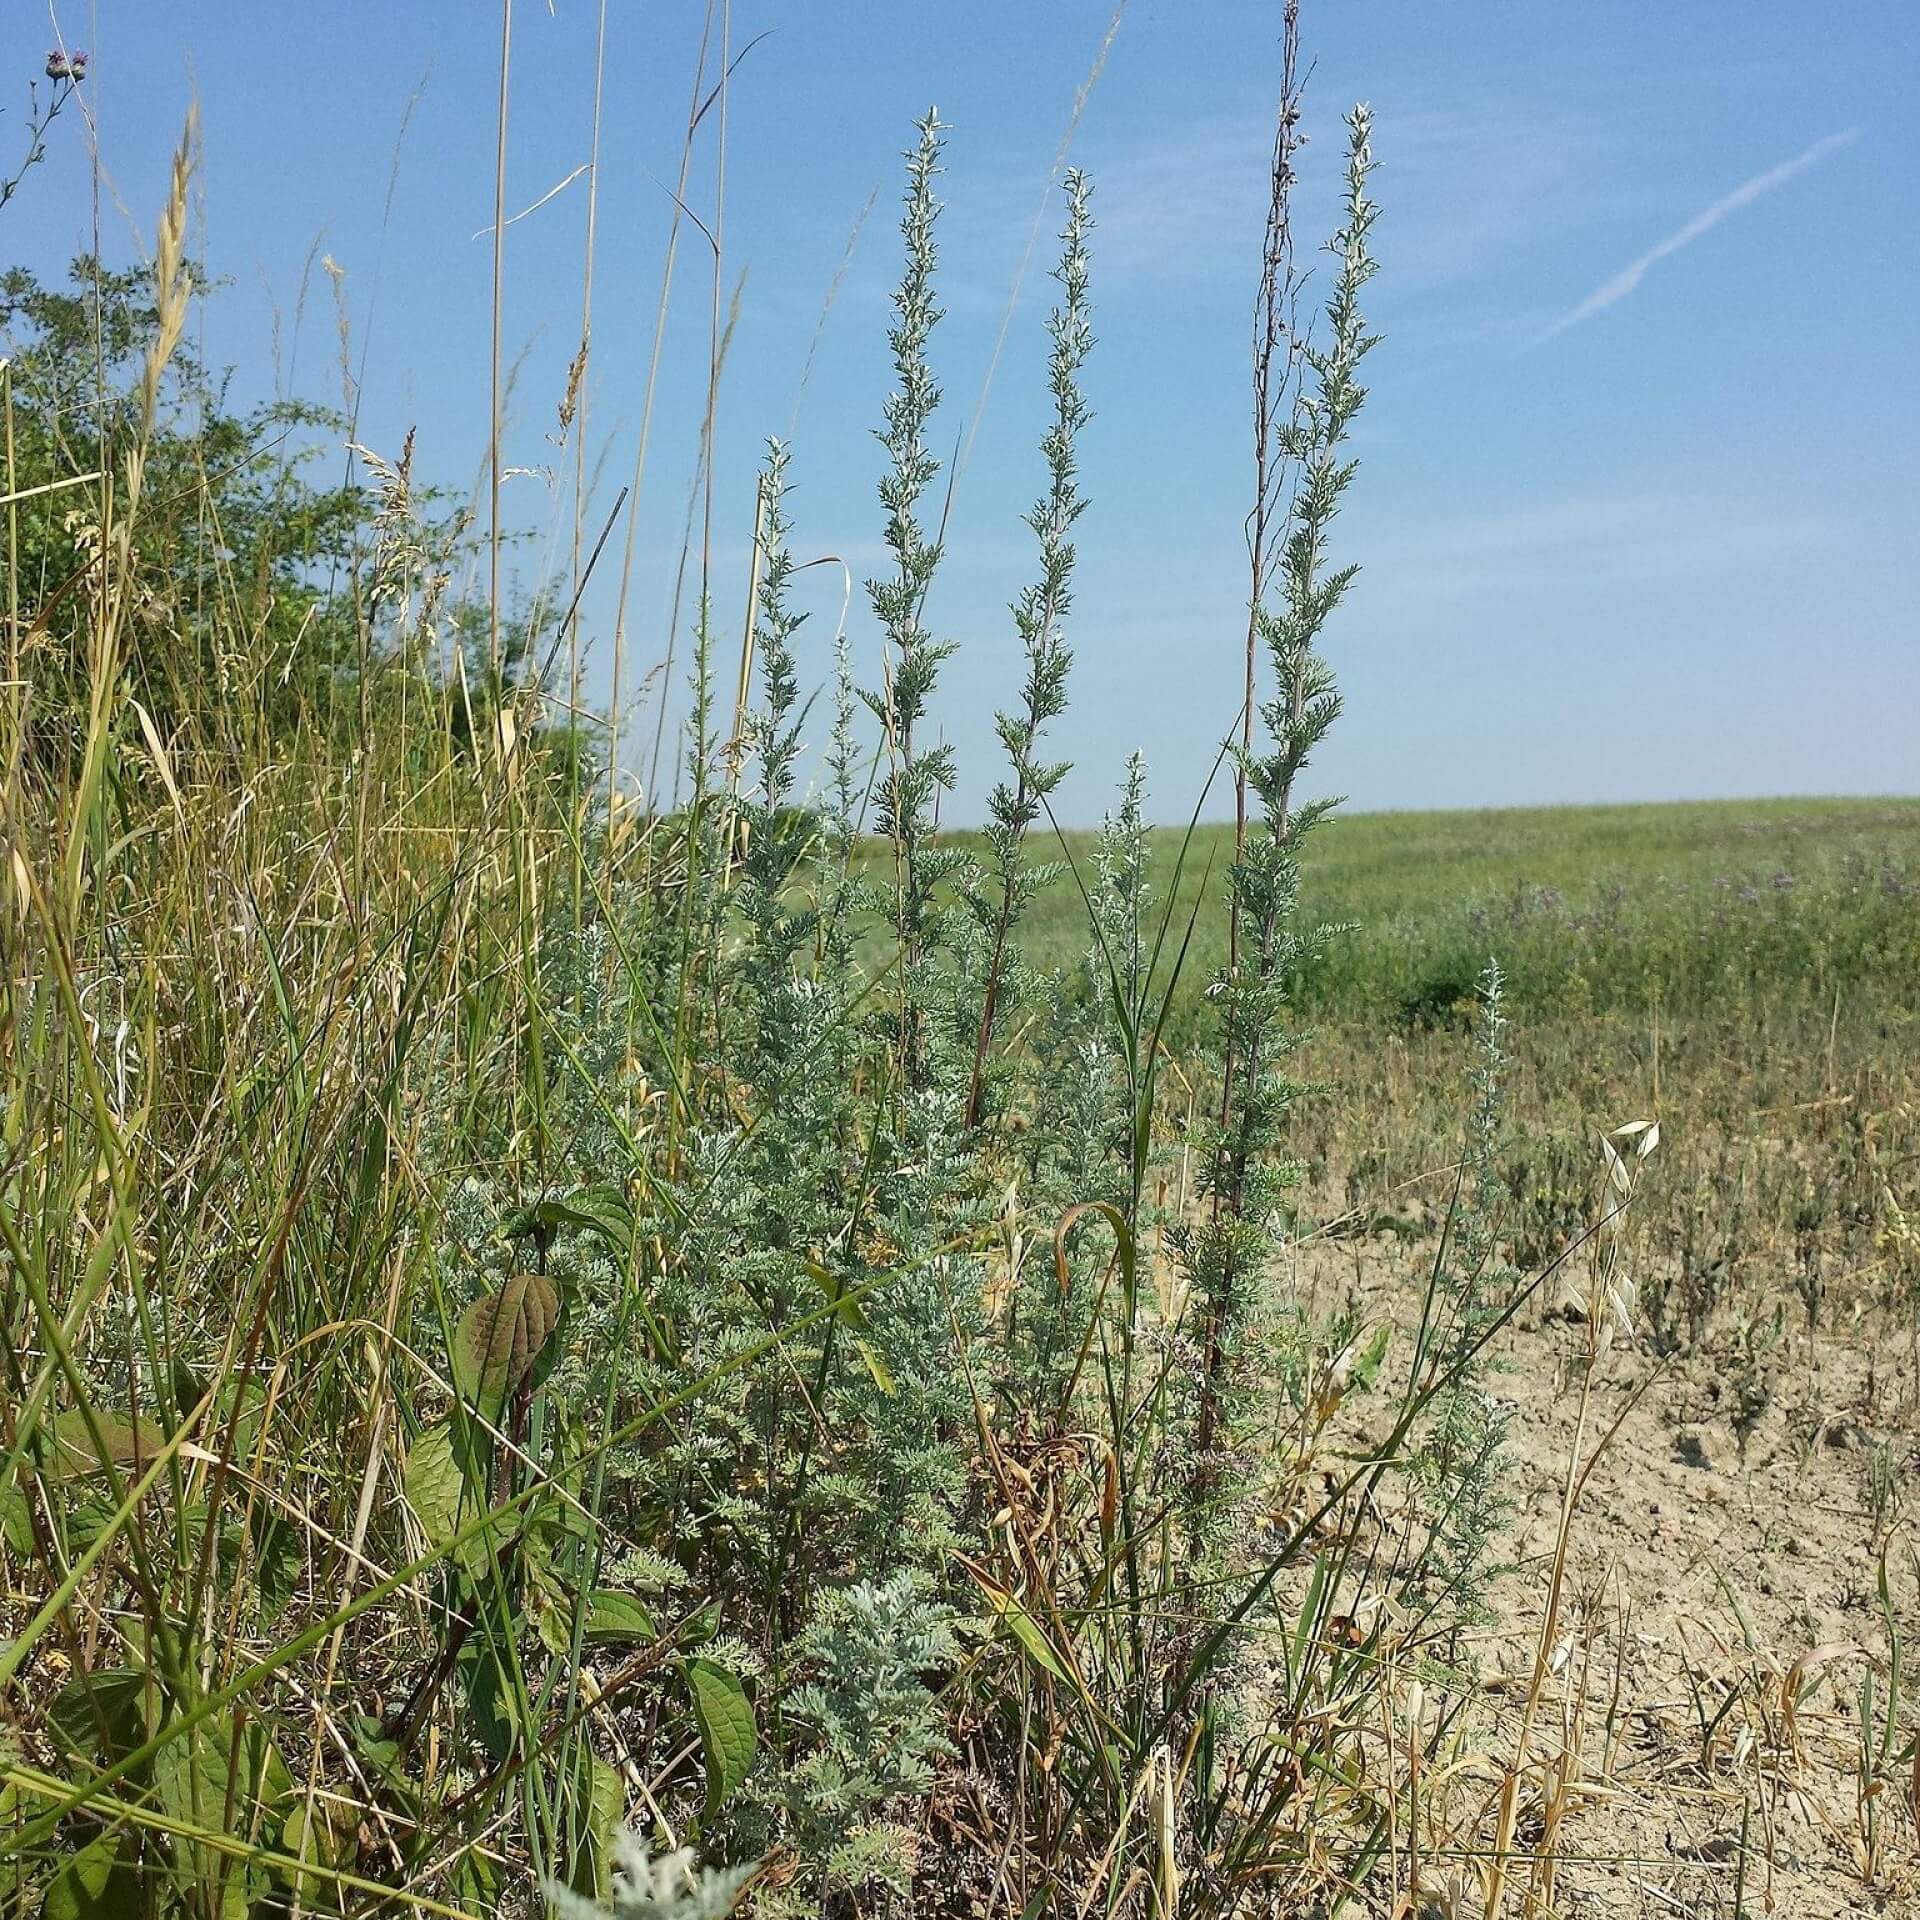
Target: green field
[[1598, 909]]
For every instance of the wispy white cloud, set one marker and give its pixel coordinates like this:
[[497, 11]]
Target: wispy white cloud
[[1630, 276], [1597, 544], [1470, 186], [1466, 186]]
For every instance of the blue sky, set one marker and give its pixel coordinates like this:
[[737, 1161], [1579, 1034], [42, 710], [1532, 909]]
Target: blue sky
[[1637, 506]]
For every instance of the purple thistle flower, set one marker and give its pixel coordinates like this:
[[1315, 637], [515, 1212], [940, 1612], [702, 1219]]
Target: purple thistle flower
[[56, 65]]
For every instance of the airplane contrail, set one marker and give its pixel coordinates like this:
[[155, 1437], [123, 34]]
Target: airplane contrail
[[1629, 277]]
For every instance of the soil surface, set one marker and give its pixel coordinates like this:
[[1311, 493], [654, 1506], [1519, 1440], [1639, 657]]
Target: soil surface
[[1720, 1616]]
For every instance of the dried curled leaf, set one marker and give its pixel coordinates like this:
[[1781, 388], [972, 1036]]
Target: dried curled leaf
[[500, 1339]]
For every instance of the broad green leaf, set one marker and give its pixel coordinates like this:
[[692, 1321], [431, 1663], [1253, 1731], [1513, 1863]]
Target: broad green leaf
[[109, 1723], [600, 1800], [492, 1705], [500, 1339], [276, 1561], [728, 1736], [378, 1750], [617, 1616], [87, 1519], [324, 1836], [602, 1211], [123, 1443], [187, 1386], [212, 1787], [549, 1607], [552, 1606], [476, 1882], [97, 1883], [606, 1810], [445, 1483], [436, 1483], [204, 1771], [16, 1522], [243, 1403]]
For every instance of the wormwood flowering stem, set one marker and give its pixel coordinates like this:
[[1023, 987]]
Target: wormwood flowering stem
[[1274, 340], [914, 776], [1241, 1176], [1038, 615], [1462, 1459], [772, 734]]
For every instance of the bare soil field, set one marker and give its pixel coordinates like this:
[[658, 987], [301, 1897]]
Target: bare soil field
[[1739, 1586]]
